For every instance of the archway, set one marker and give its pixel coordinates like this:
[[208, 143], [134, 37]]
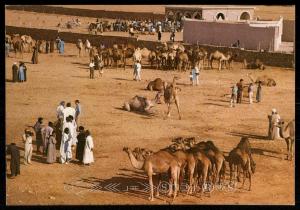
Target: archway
[[178, 16], [170, 15], [187, 15], [245, 16], [220, 16]]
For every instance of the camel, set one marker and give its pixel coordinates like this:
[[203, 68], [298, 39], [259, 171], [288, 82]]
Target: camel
[[170, 95], [156, 164], [87, 46], [217, 55], [254, 65], [107, 55], [18, 44], [139, 103], [171, 59], [93, 52], [287, 131], [117, 55], [157, 84], [128, 52], [265, 80], [182, 60], [241, 159], [152, 58], [79, 46]]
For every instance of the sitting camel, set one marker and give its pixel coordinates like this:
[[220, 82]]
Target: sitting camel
[[287, 131], [157, 84], [171, 95], [138, 103], [254, 65], [156, 164]]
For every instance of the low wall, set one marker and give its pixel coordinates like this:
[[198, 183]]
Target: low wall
[[268, 58], [288, 31], [87, 12]]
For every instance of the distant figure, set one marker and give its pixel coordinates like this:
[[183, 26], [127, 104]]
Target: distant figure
[[88, 156], [159, 35], [21, 72], [274, 131], [80, 144], [52, 44], [61, 46], [137, 71], [233, 98], [191, 77], [92, 69], [57, 43], [258, 92], [27, 139], [250, 92], [60, 112], [47, 46], [7, 48], [14, 152], [172, 36], [38, 134], [240, 86], [15, 70], [77, 111], [35, 55], [46, 133], [197, 72], [51, 151]]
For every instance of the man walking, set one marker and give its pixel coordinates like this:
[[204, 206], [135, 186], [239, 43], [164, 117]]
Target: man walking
[[92, 69]]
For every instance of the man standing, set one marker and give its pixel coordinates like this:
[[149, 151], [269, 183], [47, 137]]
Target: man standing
[[88, 156], [68, 111], [274, 133], [233, 95], [51, 151], [35, 54], [61, 46], [27, 139], [240, 86], [38, 134], [57, 43], [46, 133], [65, 147], [21, 72], [77, 111], [13, 150], [137, 71], [159, 35], [92, 69], [52, 44], [47, 46], [7, 48], [258, 92], [250, 93], [15, 70], [81, 137]]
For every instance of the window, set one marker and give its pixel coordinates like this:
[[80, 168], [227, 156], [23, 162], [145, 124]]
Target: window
[[245, 16], [220, 16], [197, 16]]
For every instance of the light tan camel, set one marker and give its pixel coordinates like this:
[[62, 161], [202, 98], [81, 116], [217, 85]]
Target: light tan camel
[[287, 131], [217, 55], [158, 163], [171, 95], [79, 46]]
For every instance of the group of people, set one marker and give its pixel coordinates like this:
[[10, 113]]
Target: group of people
[[19, 73], [237, 93]]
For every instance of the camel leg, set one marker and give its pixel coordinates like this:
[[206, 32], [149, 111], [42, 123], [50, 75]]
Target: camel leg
[[218, 169], [177, 105], [191, 168], [175, 174], [151, 188], [244, 178], [292, 148], [249, 173], [288, 147], [231, 172], [169, 110], [204, 175], [158, 185], [170, 186]]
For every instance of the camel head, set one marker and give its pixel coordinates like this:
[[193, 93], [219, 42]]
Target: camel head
[[126, 149]]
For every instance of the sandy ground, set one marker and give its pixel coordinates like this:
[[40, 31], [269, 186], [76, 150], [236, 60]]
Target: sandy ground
[[112, 179]]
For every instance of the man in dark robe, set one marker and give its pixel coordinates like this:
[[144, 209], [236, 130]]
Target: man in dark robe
[[81, 137], [38, 133], [240, 86], [47, 46], [15, 70], [52, 44], [35, 54], [14, 152]]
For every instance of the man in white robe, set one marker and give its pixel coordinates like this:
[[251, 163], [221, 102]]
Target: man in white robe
[[88, 156], [65, 147], [68, 111]]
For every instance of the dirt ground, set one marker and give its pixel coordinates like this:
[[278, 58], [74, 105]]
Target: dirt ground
[[112, 179]]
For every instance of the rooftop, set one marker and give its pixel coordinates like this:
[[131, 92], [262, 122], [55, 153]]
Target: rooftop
[[211, 6]]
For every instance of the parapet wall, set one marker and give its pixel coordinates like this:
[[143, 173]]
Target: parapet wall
[[268, 58]]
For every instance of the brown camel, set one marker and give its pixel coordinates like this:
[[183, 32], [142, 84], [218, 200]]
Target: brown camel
[[157, 85], [18, 45], [287, 131], [217, 55], [254, 65], [170, 95], [157, 163], [182, 60]]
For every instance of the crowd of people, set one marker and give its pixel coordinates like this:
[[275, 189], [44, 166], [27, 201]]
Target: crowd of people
[[47, 137]]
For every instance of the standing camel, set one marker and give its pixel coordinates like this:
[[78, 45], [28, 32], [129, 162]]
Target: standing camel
[[87, 46], [18, 45], [157, 163], [79, 45], [171, 95], [287, 131], [217, 55]]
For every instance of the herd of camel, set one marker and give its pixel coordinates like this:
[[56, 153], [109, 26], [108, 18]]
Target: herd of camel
[[202, 162]]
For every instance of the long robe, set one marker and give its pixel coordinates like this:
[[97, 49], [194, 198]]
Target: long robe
[[68, 111], [15, 159], [47, 47], [88, 156], [274, 129], [52, 44], [21, 74], [38, 134], [28, 148], [51, 152], [34, 58], [65, 148], [15, 70], [80, 146], [72, 129], [61, 47], [258, 93], [46, 133]]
